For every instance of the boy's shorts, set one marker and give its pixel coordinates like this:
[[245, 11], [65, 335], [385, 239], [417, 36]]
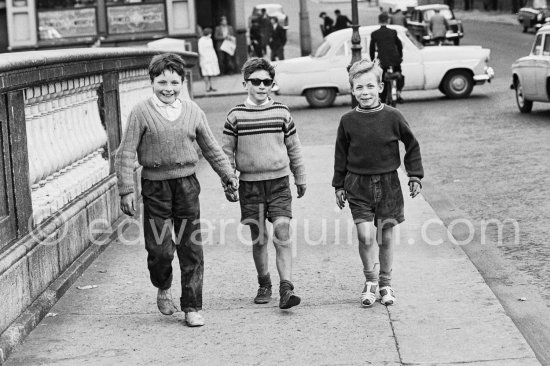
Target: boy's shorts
[[265, 199], [375, 197]]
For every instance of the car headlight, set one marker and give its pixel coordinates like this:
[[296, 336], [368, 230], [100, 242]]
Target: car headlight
[[539, 16]]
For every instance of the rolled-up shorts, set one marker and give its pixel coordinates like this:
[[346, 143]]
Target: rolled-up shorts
[[265, 199], [375, 197]]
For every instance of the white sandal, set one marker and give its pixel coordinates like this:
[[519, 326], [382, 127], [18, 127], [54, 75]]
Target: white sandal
[[388, 297], [368, 296]]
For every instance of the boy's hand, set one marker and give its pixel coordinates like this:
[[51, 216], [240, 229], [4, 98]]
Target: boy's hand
[[301, 190], [233, 184], [232, 190], [414, 188], [341, 198], [128, 204], [232, 196]]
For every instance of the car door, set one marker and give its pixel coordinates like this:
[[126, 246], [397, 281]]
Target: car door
[[542, 68], [528, 69], [412, 65]]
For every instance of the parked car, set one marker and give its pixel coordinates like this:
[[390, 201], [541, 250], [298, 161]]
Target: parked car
[[534, 14], [272, 10], [531, 74], [419, 23], [454, 70], [393, 5]]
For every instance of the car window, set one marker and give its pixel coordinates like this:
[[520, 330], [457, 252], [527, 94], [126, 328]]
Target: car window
[[537, 45], [546, 48], [322, 50]]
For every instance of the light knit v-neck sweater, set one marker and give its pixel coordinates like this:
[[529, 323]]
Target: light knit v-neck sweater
[[165, 148]]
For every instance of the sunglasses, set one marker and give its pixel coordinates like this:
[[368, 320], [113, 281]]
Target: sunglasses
[[257, 82]]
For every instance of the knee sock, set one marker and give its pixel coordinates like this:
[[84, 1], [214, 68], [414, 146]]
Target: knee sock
[[385, 278], [265, 281], [371, 275]]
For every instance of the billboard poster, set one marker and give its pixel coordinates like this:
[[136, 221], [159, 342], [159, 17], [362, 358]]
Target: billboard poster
[[136, 18], [66, 23]]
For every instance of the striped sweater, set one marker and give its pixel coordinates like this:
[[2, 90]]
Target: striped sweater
[[261, 142], [165, 148]]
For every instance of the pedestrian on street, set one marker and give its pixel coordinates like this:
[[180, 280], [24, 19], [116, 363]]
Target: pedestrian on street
[[438, 27], [277, 40], [265, 28], [256, 39], [261, 141], [390, 53], [208, 60], [162, 130], [326, 27], [224, 35], [342, 21], [398, 18], [366, 160]]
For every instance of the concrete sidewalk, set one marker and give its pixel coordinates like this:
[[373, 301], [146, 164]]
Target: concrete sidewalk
[[445, 313]]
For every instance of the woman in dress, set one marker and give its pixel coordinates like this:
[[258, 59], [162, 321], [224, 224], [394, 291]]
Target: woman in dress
[[208, 59]]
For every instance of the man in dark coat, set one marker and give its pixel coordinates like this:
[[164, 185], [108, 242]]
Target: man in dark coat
[[265, 29], [256, 39], [277, 40], [342, 21], [326, 27], [390, 52]]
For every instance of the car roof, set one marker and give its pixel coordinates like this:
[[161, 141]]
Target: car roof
[[544, 28], [363, 30], [431, 6], [259, 6]]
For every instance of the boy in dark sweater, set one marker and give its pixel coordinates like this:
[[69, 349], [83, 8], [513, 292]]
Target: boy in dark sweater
[[261, 141], [366, 159], [161, 130]]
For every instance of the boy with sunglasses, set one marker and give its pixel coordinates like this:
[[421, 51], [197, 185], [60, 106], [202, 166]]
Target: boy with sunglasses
[[261, 141]]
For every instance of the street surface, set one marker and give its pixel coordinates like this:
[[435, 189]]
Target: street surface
[[492, 161]]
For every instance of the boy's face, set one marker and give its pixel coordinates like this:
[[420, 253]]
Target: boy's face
[[366, 89], [258, 93], [167, 86]]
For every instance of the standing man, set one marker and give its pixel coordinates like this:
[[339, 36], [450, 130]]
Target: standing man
[[342, 21], [398, 18], [277, 40], [390, 52], [256, 39], [438, 27], [265, 30], [326, 27], [224, 32]]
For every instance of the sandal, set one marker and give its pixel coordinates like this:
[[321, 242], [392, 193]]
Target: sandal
[[388, 297], [368, 296]]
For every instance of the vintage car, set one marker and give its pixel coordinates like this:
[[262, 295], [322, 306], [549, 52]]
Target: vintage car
[[534, 14], [393, 5], [272, 10], [531, 74], [454, 70], [419, 23]]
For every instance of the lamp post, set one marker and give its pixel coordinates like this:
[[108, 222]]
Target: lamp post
[[355, 42], [305, 34]]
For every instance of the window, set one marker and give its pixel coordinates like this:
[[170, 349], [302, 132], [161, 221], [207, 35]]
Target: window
[[546, 48], [537, 45]]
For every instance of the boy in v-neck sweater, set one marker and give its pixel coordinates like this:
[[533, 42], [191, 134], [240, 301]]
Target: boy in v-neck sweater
[[161, 130]]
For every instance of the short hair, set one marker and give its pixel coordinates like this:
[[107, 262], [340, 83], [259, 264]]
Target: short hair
[[322, 14], [275, 19], [337, 11], [364, 66], [166, 61], [383, 17], [207, 31], [254, 64]]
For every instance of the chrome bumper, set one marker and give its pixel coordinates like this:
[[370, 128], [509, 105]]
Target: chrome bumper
[[487, 76]]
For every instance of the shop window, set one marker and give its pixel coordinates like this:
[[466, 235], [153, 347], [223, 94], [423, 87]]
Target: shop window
[[66, 19], [136, 16]]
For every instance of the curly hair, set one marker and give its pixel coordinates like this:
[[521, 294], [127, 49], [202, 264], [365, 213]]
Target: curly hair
[[166, 61], [364, 66], [254, 64]]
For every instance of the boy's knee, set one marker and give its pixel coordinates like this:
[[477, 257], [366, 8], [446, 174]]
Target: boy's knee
[[365, 240]]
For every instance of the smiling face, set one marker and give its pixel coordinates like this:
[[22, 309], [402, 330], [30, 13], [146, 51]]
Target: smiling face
[[167, 86], [366, 89], [258, 94]]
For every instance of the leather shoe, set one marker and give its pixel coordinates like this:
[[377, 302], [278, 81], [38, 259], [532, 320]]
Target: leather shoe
[[165, 303], [194, 319]]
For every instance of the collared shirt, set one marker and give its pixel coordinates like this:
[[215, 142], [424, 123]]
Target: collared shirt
[[168, 111], [249, 101]]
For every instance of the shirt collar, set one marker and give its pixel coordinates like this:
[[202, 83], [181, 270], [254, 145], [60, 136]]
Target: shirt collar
[[161, 104], [249, 101]]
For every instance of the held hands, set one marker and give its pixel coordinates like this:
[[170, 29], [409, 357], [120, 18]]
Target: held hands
[[414, 188], [301, 190], [341, 198], [232, 190], [128, 204]]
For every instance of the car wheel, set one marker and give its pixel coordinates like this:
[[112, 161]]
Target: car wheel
[[320, 97], [458, 84], [524, 105], [456, 41]]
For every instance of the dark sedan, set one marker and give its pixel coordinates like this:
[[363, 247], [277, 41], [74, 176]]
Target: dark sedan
[[419, 23], [534, 14]]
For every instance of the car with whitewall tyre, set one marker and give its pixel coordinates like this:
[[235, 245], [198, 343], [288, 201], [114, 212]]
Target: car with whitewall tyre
[[454, 70]]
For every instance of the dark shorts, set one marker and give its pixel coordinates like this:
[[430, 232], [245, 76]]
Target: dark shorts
[[375, 197], [265, 199]]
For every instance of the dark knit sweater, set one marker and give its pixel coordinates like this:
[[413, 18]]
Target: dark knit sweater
[[262, 143], [165, 148], [368, 143]]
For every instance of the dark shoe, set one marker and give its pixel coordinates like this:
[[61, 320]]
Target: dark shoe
[[288, 300], [264, 295], [213, 90], [400, 100]]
